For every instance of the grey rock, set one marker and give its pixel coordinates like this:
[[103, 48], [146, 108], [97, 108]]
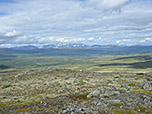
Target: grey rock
[[69, 76], [146, 85], [43, 103], [94, 94], [64, 90], [115, 101], [15, 98], [150, 73], [109, 92], [149, 79]]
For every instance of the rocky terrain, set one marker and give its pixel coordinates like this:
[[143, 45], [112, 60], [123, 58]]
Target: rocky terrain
[[63, 91]]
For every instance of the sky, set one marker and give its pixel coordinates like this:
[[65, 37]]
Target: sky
[[102, 22]]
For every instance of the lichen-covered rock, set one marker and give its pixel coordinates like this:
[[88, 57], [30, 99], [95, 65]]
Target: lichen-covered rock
[[61, 91], [94, 94], [77, 110], [69, 76], [104, 92], [146, 85], [115, 101]]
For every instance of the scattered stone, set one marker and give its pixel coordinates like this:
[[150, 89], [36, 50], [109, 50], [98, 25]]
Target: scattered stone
[[94, 94], [115, 101], [69, 76], [106, 91], [15, 98], [43, 103], [146, 85], [149, 79]]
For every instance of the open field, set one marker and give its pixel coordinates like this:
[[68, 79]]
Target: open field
[[91, 82], [62, 91], [107, 59]]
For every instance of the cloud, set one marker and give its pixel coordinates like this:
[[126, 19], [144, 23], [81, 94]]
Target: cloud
[[146, 40], [60, 39], [113, 3], [91, 39], [118, 41], [11, 33], [105, 4], [66, 21]]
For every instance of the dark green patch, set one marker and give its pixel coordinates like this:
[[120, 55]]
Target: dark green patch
[[116, 105], [136, 65], [6, 86], [131, 85], [140, 74], [4, 67]]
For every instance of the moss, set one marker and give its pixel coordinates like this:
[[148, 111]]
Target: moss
[[27, 103], [137, 78], [4, 105], [24, 109], [82, 82], [116, 77], [120, 112], [55, 84], [55, 104], [6, 86], [120, 76], [131, 85], [144, 109], [116, 104], [39, 109], [142, 91], [139, 73]]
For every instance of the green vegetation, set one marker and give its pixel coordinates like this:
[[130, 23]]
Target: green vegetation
[[24, 109], [133, 110], [41, 80], [142, 91], [94, 59], [6, 86]]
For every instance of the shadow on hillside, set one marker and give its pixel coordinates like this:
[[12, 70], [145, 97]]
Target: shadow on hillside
[[137, 65], [4, 67], [147, 57]]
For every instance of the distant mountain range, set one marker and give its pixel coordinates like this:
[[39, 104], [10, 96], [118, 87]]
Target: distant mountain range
[[70, 45], [58, 45], [76, 50]]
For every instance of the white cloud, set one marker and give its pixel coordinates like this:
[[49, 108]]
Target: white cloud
[[66, 40], [118, 41], [60, 39], [52, 38], [105, 4], [91, 39], [100, 38], [148, 39], [11, 33], [113, 3], [46, 21]]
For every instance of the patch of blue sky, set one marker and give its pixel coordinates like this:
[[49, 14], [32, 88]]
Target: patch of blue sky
[[3, 13], [6, 1]]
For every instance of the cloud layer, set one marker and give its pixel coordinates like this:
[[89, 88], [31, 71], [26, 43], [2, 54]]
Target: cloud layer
[[86, 21]]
